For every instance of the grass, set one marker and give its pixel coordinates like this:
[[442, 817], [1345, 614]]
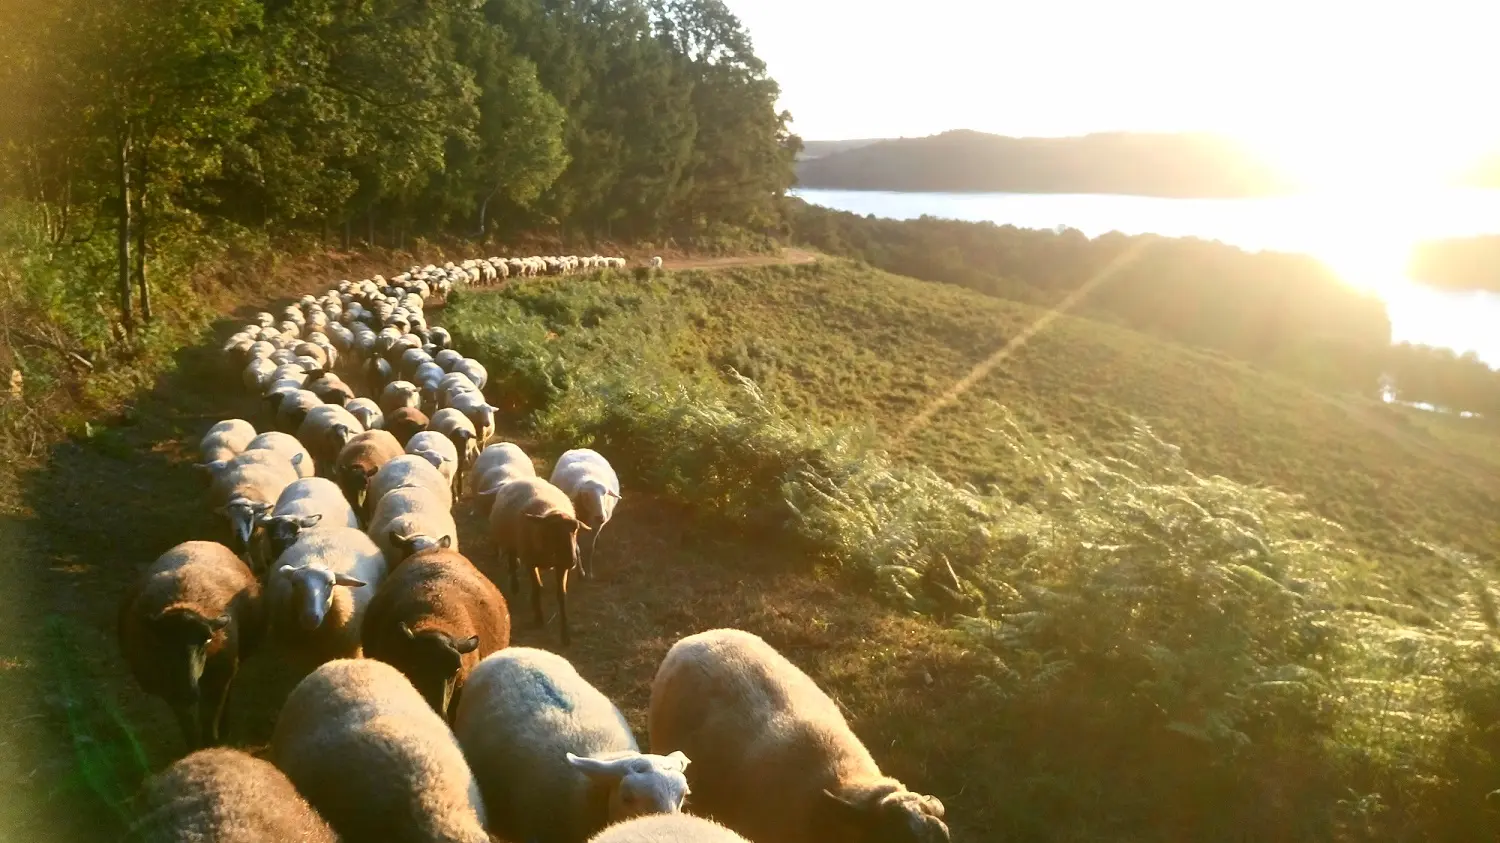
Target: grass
[[1166, 652]]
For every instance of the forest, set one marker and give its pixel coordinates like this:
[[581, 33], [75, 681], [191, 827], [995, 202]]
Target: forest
[[140, 131], [1287, 312]]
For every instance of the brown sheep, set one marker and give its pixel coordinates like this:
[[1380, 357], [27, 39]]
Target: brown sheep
[[773, 757], [184, 626], [226, 796], [534, 525], [405, 422], [434, 618], [359, 460]]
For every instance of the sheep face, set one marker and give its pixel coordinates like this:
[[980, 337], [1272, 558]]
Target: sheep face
[[312, 593], [189, 637], [638, 784], [282, 530], [900, 817], [431, 659], [595, 504], [550, 541], [242, 515]]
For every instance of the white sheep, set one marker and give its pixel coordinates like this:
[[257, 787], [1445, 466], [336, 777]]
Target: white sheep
[[368, 413], [318, 591], [656, 262], [480, 412], [437, 448], [287, 446], [312, 502], [773, 756], [667, 828], [499, 463], [375, 760], [452, 423], [325, 430], [409, 520], [554, 758], [226, 440], [587, 478]]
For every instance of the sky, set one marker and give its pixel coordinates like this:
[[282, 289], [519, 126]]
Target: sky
[[1330, 86]]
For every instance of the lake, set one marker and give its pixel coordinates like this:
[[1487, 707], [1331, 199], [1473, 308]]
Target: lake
[[1365, 238]]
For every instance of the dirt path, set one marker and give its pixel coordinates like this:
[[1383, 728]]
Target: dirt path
[[76, 735]]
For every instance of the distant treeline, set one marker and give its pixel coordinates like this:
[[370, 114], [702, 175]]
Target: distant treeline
[[1459, 263], [383, 119], [1176, 165], [1287, 312]]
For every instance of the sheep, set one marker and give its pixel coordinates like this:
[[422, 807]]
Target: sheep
[[243, 491], [256, 374], [474, 370], [317, 593], [305, 504], [411, 360], [447, 359], [481, 413], [410, 519], [368, 413], [667, 828], [587, 478], [406, 423], [404, 471], [554, 758], [183, 627], [773, 757], [359, 461], [459, 430], [226, 440], [434, 618], [498, 463], [226, 796], [332, 390], [656, 262], [325, 431], [294, 408], [534, 525], [375, 760], [285, 444], [437, 448]]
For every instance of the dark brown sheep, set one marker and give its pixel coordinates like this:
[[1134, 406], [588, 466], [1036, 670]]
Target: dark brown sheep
[[226, 796], [360, 459], [185, 625], [535, 526], [405, 422], [434, 618]]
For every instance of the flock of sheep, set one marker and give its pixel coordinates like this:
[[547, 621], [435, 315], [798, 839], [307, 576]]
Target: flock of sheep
[[414, 719]]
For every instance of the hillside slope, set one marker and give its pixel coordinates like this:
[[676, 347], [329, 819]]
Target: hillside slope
[[959, 161]]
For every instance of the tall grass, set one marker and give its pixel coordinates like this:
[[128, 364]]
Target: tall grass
[[1172, 655]]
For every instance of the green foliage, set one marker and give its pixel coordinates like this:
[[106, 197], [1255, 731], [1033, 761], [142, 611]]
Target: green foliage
[[1171, 653]]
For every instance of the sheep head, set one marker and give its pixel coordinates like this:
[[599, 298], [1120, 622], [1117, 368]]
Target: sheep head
[[638, 784]]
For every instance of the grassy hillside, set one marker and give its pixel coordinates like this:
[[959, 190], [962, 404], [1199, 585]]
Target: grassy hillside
[[1162, 653]]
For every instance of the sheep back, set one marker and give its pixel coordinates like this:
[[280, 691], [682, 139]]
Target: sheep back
[[226, 796], [667, 828]]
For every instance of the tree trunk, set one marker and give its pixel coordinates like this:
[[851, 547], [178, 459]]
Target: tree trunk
[[122, 163], [140, 239]]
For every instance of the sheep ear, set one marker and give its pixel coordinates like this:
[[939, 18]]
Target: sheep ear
[[680, 759], [597, 769], [582, 527], [464, 646], [285, 569], [403, 542], [297, 460], [445, 542], [310, 520], [841, 808], [348, 581], [405, 630], [206, 467], [218, 623], [616, 495]]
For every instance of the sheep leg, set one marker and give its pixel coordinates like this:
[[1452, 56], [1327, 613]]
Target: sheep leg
[[536, 597], [562, 604]]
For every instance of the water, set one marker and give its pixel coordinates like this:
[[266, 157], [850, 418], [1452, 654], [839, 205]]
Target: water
[[1367, 238]]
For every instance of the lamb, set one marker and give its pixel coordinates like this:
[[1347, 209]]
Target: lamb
[[226, 440], [406, 423], [773, 756], [317, 594], [226, 796], [305, 504], [554, 758], [587, 478], [359, 461], [434, 618], [287, 446], [437, 448], [183, 627], [368, 413], [375, 760], [667, 828], [534, 525], [411, 519]]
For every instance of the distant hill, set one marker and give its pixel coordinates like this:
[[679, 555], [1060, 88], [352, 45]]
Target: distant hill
[[1176, 165], [819, 148]]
